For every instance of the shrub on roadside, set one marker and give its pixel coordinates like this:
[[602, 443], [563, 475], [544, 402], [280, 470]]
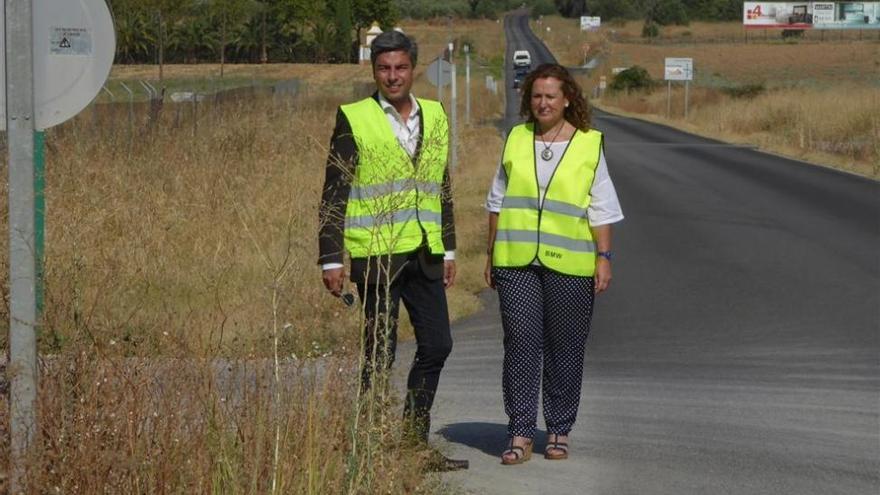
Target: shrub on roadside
[[633, 78], [650, 29]]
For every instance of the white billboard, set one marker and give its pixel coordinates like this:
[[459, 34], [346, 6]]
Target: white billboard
[[812, 15], [590, 23], [679, 69]]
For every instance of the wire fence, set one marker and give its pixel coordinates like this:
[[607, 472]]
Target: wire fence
[[134, 113]]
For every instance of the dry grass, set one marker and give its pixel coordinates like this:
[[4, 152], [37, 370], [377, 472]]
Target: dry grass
[[833, 127], [180, 265], [138, 426], [774, 65], [823, 111]]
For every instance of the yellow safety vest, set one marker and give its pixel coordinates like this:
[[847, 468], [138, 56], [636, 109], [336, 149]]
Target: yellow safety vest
[[394, 202], [556, 231]]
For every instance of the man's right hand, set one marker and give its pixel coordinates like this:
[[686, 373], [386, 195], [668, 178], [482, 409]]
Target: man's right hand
[[333, 279]]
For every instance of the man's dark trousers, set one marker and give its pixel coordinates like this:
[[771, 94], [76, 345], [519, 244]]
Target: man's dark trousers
[[416, 283]]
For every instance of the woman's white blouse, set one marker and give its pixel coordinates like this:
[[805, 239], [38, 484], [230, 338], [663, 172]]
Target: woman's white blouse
[[604, 206]]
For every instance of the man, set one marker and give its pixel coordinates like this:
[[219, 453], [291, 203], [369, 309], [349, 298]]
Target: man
[[387, 201]]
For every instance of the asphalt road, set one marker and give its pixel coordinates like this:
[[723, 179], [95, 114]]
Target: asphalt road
[[738, 350]]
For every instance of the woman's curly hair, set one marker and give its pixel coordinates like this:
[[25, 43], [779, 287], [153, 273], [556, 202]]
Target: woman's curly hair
[[578, 111]]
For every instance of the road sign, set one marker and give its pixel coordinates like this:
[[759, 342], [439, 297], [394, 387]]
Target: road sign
[[590, 23], [679, 69], [73, 48], [439, 72]]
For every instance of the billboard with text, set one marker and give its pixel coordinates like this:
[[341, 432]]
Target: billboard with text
[[812, 15]]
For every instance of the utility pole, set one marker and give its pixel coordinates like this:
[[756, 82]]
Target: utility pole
[[467, 84], [20, 117]]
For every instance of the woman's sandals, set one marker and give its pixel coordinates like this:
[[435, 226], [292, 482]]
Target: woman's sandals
[[520, 454], [556, 450]]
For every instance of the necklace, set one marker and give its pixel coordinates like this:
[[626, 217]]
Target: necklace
[[547, 154]]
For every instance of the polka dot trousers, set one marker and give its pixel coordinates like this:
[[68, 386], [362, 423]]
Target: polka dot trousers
[[546, 319]]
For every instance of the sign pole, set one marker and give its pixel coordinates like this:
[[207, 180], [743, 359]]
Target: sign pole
[[454, 115], [686, 86], [39, 218], [467, 84], [668, 98], [439, 78], [22, 358]]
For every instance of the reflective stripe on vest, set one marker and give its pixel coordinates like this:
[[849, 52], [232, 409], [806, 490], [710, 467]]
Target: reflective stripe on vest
[[557, 232], [394, 203]]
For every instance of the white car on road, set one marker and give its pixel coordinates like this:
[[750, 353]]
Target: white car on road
[[521, 58]]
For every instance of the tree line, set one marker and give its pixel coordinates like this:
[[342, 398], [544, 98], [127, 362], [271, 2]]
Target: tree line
[[253, 31], [261, 31]]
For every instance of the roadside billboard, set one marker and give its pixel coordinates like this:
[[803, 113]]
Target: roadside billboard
[[590, 23], [812, 15], [678, 69]]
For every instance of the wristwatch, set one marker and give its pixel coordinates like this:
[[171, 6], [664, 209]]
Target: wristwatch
[[605, 254]]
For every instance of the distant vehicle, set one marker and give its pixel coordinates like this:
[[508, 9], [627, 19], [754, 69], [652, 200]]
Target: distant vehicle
[[519, 74], [521, 58]]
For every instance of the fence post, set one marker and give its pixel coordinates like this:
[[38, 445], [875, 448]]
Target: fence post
[[130, 115]]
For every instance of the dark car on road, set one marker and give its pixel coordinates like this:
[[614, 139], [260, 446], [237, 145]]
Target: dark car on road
[[518, 75]]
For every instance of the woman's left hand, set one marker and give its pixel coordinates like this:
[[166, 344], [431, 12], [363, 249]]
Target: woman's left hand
[[603, 275]]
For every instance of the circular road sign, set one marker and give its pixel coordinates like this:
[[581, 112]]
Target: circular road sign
[[73, 48]]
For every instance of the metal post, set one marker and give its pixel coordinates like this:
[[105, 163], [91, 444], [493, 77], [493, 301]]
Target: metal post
[[467, 84], [686, 85], [454, 97], [22, 358], [439, 81], [668, 98], [39, 217], [130, 115], [148, 88], [195, 113]]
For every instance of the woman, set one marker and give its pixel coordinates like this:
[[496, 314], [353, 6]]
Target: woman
[[551, 207]]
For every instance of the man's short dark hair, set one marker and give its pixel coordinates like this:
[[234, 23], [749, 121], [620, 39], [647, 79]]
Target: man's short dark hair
[[393, 41]]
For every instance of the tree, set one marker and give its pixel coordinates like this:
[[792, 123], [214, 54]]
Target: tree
[[611, 9], [165, 13], [292, 19], [666, 12], [342, 34], [192, 35], [229, 16], [366, 12], [473, 4], [571, 8], [134, 35]]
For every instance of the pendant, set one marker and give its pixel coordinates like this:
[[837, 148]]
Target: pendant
[[547, 154]]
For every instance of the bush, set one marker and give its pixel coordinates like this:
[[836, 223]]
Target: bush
[[634, 78], [650, 29]]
